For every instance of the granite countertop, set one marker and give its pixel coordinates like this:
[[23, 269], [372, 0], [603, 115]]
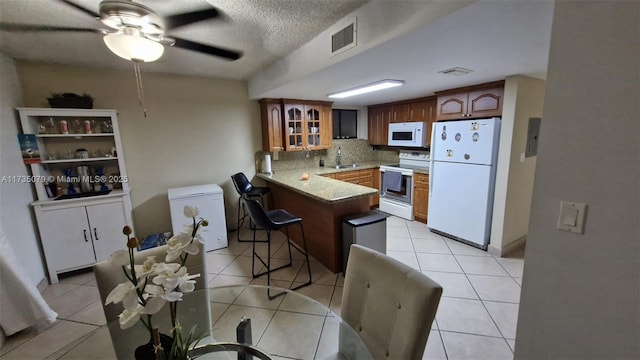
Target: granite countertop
[[319, 187]]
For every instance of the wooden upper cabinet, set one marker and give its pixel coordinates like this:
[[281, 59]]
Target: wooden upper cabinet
[[295, 125], [471, 102], [314, 116], [326, 135], [452, 106], [418, 111], [400, 113], [486, 103], [272, 129], [378, 124]]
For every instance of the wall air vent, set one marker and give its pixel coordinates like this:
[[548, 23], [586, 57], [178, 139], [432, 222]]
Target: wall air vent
[[455, 71], [344, 39]]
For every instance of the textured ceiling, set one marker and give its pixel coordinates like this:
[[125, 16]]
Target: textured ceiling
[[285, 43], [263, 30]]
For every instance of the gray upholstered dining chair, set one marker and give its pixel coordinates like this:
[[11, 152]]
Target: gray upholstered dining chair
[[194, 309], [389, 304]]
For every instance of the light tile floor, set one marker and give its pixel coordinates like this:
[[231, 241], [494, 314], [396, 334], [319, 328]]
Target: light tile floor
[[476, 318]]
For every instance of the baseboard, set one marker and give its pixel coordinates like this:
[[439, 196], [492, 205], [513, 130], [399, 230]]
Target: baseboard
[[507, 249], [43, 285]]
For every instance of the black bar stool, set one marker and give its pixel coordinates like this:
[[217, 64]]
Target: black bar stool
[[270, 221], [246, 189]]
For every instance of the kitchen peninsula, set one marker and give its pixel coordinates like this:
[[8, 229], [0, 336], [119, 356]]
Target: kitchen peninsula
[[322, 203]]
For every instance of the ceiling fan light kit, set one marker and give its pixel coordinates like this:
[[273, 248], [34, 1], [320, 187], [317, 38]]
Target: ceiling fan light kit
[[130, 44], [134, 31]]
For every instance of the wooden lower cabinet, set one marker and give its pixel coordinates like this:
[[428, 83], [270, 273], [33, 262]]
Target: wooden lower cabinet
[[420, 197], [375, 199], [365, 177]]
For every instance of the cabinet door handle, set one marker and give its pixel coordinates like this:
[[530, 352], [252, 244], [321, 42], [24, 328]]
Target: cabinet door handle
[[95, 233], [85, 235]]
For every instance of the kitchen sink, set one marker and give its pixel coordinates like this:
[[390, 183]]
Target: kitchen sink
[[346, 166]]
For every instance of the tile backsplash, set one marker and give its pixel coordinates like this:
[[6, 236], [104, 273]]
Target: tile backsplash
[[353, 151]]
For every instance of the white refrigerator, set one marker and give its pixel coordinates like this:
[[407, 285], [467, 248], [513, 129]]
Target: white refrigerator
[[210, 202], [462, 179]]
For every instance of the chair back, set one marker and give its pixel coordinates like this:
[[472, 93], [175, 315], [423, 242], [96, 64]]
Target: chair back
[[242, 184], [389, 304], [193, 310], [258, 214]]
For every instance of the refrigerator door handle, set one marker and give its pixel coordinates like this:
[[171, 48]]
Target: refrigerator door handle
[[432, 156], [431, 178]]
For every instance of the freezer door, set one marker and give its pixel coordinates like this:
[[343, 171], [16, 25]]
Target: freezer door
[[467, 141], [211, 208], [461, 201]]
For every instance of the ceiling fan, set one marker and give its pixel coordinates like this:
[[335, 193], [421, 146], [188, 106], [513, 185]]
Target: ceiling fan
[[135, 32]]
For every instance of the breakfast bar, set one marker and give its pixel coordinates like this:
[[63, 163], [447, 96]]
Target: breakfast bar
[[322, 203]]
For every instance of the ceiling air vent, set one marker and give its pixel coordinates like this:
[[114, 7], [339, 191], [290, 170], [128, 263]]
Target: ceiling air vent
[[455, 71], [344, 39]]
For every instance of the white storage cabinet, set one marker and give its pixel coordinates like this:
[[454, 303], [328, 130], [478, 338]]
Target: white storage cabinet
[[75, 233]]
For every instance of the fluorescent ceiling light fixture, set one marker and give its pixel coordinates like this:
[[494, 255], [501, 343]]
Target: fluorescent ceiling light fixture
[[378, 85], [132, 45]]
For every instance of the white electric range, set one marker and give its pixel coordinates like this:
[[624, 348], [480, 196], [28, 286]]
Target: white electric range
[[396, 183]]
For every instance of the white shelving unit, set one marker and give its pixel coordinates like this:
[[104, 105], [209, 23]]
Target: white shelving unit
[[79, 231]]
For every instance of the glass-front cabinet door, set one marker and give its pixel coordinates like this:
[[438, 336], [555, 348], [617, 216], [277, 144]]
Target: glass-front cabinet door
[[294, 126], [314, 126], [307, 125]]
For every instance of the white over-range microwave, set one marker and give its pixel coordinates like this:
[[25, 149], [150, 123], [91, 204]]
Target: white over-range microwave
[[408, 134]]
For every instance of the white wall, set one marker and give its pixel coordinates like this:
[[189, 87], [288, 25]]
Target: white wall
[[523, 99], [198, 130], [17, 219], [581, 293]]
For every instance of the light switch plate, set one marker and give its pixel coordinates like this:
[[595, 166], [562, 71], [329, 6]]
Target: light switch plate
[[572, 216]]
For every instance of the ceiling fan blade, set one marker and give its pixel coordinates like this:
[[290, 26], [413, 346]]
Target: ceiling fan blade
[[83, 9], [177, 20], [206, 49], [37, 28]]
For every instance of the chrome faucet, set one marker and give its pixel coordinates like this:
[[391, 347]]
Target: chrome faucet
[[339, 157]]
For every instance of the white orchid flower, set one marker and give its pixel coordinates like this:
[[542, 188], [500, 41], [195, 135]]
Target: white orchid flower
[[128, 318], [179, 279], [147, 267], [158, 297], [121, 292], [178, 244], [119, 258], [190, 211], [164, 271], [188, 284]]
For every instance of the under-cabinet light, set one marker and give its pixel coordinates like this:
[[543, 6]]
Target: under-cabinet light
[[378, 85]]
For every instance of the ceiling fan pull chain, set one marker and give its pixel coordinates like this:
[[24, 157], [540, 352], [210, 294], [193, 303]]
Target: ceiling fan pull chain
[[136, 68]]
